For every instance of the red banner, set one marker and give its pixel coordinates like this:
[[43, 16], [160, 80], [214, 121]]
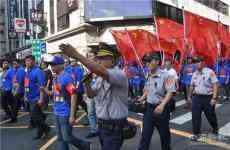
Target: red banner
[[202, 34], [171, 36], [224, 36], [134, 44]]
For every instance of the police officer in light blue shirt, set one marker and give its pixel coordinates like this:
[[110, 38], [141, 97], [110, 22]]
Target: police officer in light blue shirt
[[34, 84], [110, 94], [158, 92]]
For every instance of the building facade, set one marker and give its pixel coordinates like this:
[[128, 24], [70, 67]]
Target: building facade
[[3, 38], [17, 41], [84, 23]]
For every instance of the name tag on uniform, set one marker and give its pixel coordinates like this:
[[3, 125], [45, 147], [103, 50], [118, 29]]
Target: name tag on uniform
[[3, 80]]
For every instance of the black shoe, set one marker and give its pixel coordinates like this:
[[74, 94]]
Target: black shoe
[[13, 121], [46, 132], [87, 146], [39, 135], [215, 131], [6, 117], [91, 135]]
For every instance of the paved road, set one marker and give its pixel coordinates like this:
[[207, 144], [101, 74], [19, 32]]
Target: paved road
[[18, 137]]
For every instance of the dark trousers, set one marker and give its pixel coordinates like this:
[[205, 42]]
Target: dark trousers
[[110, 138], [19, 98], [65, 136], [161, 122], [38, 118], [201, 103], [226, 88], [8, 104], [81, 102]]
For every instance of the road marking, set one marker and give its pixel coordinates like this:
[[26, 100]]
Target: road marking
[[180, 103], [26, 127], [53, 139], [188, 135], [8, 120], [225, 130], [50, 142], [185, 117]]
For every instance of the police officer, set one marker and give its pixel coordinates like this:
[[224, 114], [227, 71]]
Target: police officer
[[203, 96], [7, 99], [34, 84], [158, 91], [172, 72], [65, 106], [110, 94]]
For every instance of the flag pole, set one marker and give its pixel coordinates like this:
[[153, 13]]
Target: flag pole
[[134, 50], [159, 44], [185, 33]]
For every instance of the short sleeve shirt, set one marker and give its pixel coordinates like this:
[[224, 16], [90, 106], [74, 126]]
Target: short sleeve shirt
[[112, 95], [187, 73], [62, 96], [203, 81], [34, 80], [158, 85], [7, 79], [20, 76]]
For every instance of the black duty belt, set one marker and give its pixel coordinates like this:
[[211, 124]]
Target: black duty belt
[[113, 124], [202, 95]]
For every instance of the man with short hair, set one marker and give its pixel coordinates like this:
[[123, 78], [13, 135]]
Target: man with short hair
[[158, 92], [65, 104], [34, 84], [7, 99], [203, 96], [186, 76], [110, 94], [18, 84]]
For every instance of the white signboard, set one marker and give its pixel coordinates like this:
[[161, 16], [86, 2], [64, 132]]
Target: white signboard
[[23, 54], [20, 25]]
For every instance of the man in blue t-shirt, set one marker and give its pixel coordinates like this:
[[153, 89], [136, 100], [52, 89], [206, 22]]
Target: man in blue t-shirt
[[34, 84], [18, 84], [78, 74], [186, 77], [65, 104], [7, 100]]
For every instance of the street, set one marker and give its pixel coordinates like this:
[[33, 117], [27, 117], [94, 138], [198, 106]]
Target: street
[[17, 136]]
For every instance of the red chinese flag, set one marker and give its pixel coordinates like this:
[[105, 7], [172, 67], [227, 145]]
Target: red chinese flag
[[143, 41], [135, 44], [171, 36], [224, 37], [122, 41], [202, 34]]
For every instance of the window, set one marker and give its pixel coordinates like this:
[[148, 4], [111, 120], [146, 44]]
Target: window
[[216, 4], [101, 10], [52, 16], [62, 15], [169, 12]]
